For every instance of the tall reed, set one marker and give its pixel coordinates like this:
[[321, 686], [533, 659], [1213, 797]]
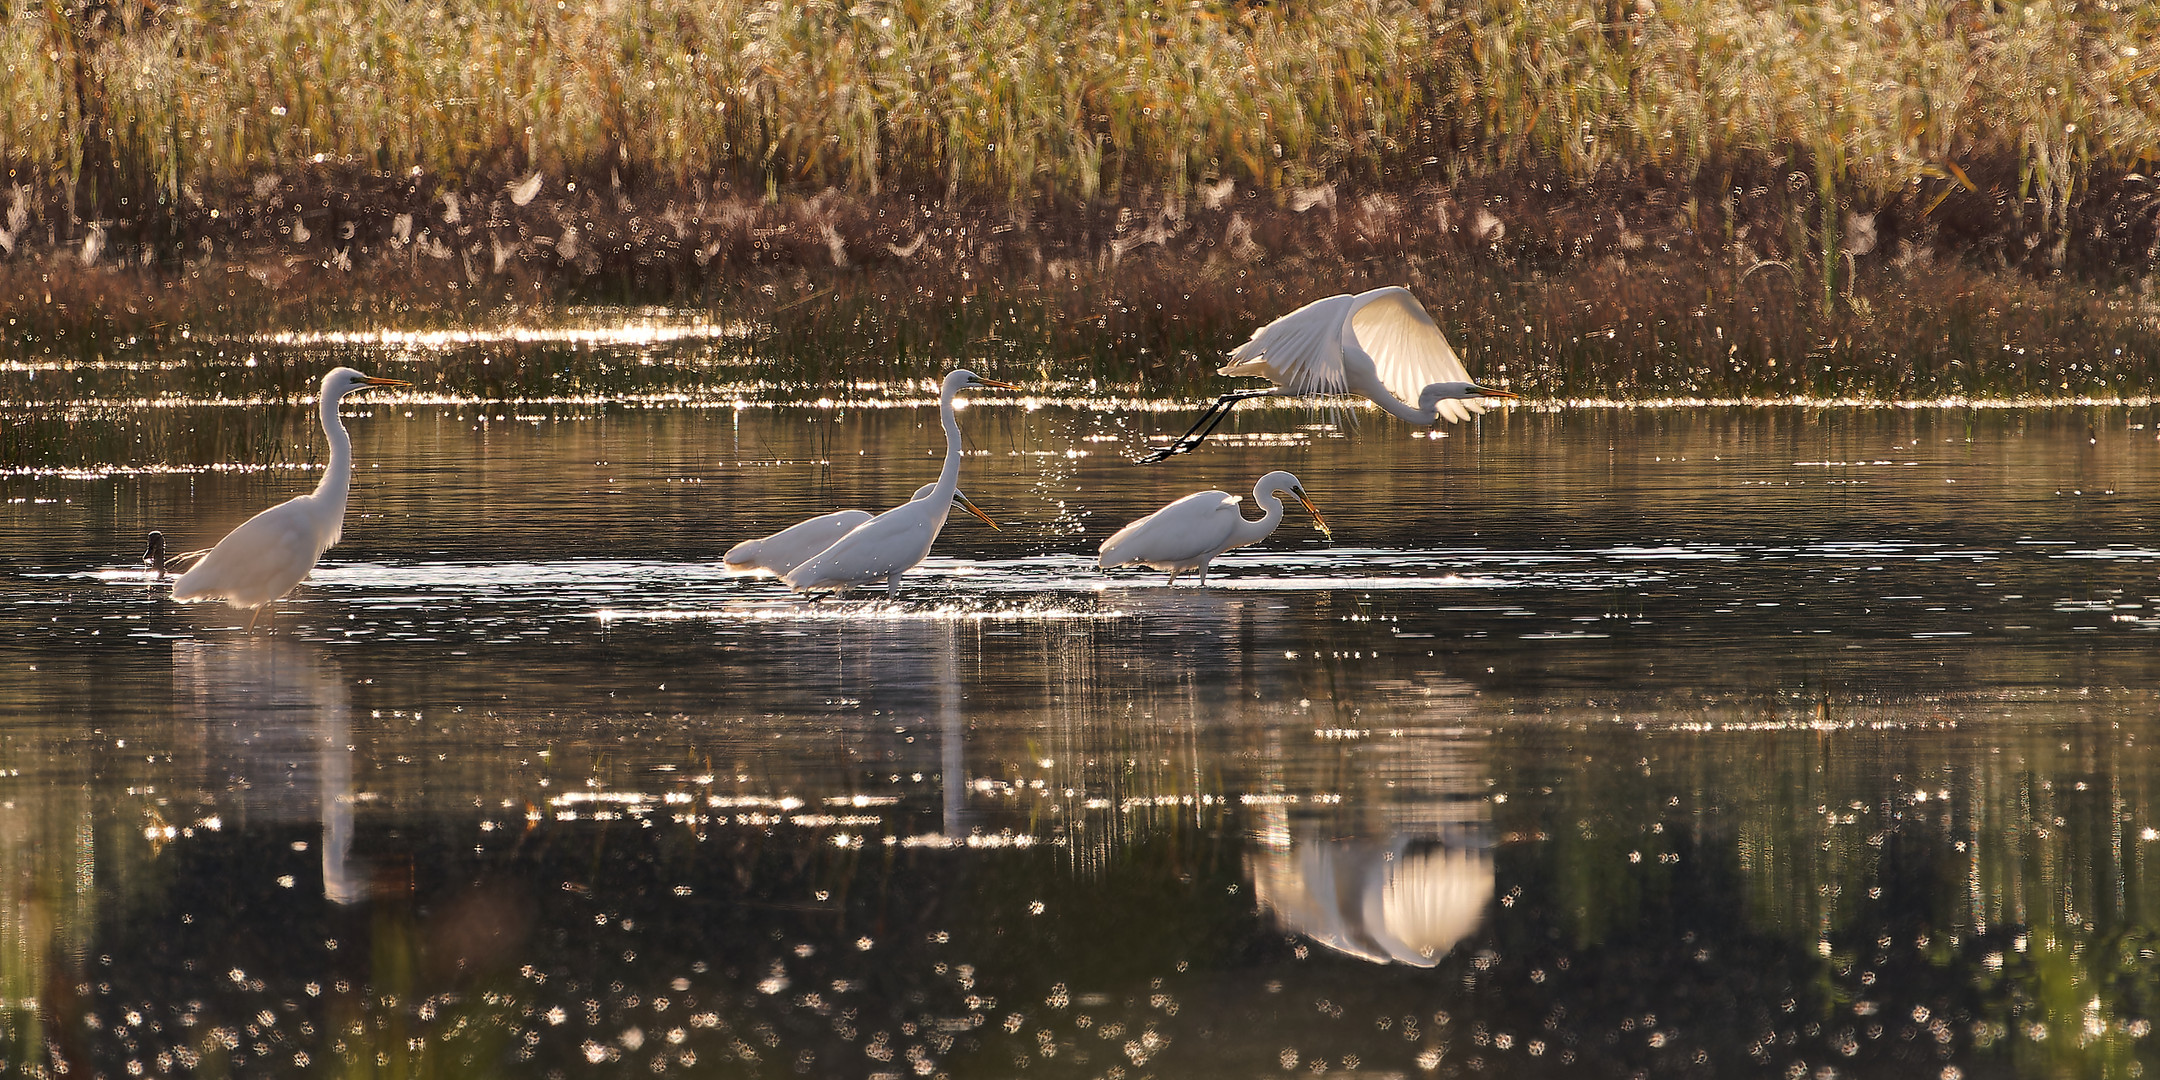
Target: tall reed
[[1012, 97]]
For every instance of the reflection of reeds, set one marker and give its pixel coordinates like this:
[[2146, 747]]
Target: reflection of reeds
[[1610, 330], [1644, 328], [1080, 101], [1889, 867]]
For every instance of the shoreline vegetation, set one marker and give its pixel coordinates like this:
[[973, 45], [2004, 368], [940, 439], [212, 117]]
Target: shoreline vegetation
[[1596, 198]]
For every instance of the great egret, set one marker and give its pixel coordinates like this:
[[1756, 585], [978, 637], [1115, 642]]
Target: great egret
[[271, 552], [1378, 345], [891, 543], [791, 547], [1187, 534]]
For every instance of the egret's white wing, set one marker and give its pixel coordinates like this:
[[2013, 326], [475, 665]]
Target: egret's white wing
[[889, 543], [1300, 352], [1408, 351], [259, 561], [1197, 525], [791, 547]]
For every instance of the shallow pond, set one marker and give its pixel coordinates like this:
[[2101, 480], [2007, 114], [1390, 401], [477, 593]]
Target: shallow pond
[[1710, 742]]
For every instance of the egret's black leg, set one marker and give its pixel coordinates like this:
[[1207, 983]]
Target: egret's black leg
[[1219, 416], [1177, 445], [1203, 427]]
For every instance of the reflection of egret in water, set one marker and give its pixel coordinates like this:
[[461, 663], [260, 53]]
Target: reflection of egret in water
[[1400, 871], [335, 784], [912, 672], [276, 711], [1402, 898], [952, 732]]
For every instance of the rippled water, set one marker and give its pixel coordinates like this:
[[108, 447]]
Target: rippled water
[[1681, 741]]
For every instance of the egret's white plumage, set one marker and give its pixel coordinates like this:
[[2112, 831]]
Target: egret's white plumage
[[1379, 345], [271, 552], [893, 542], [791, 547], [1189, 533]]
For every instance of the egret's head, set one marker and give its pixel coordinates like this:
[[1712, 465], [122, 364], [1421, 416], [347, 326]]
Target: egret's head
[[1455, 391], [963, 379], [342, 381], [961, 500], [1285, 486]]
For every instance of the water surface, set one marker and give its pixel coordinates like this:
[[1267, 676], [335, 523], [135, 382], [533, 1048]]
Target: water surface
[[1709, 742]]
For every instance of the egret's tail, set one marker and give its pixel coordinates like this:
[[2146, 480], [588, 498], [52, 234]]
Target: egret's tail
[[743, 557], [189, 583]]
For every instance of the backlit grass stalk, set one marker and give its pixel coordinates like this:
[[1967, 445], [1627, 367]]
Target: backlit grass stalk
[[1073, 101]]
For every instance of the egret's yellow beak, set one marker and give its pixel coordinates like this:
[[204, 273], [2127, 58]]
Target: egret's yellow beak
[[963, 503], [1311, 509], [1487, 391], [997, 383], [388, 382]]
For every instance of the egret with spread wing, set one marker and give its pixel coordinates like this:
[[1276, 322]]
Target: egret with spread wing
[[791, 547], [271, 552], [1378, 345], [891, 543], [1187, 534]]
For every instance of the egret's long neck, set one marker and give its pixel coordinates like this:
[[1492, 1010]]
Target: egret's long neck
[[1365, 383], [1425, 415], [337, 479], [948, 480], [1255, 531]]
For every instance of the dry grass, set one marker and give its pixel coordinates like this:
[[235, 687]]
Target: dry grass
[[1671, 193], [1081, 101], [1656, 324]]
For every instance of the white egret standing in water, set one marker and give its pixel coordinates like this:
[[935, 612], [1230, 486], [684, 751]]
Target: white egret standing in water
[[1378, 345], [791, 547], [1187, 534], [891, 543], [271, 552]]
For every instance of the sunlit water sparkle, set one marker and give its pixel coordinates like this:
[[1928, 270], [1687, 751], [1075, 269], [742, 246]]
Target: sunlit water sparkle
[[1682, 741]]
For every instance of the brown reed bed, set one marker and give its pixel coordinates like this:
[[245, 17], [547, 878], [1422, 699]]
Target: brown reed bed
[[1671, 194], [1609, 287]]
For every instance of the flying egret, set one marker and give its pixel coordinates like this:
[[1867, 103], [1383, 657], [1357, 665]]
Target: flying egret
[[271, 552], [891, 543], [1187, 534], [1378, 345], [791, 547]]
